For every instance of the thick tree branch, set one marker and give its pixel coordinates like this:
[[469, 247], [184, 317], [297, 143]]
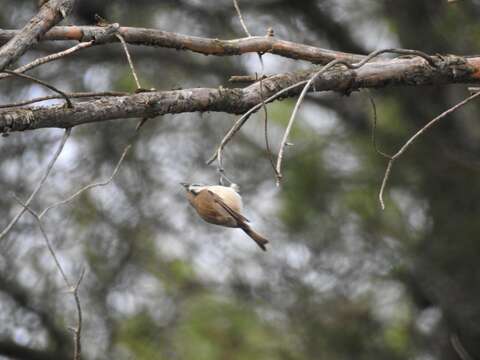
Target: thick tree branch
[[206, 46], [49, 14], [401, 71]]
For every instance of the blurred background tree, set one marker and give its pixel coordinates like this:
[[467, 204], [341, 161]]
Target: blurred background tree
[[342, 279]]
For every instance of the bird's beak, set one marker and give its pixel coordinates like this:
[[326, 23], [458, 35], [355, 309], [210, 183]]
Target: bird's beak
[[185, 185]]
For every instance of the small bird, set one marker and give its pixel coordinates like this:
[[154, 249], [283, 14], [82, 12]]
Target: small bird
[[221, 205]]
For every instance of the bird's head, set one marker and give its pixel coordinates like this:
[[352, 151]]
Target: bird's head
[[192, 188]]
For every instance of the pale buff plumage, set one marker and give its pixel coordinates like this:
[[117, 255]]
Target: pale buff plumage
[[221, 205]]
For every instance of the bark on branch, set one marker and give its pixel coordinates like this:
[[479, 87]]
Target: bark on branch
[[206, 46], [401, 71], [49, 14]]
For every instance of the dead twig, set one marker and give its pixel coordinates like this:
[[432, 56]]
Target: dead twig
[[240, 17], [239, 123], [374, 127], [39, 185], [371, 56], [89, 186], [77, 344], [413, 138], [43, 83], [458, 347], [73, 289], [49, 58], [129, 59]]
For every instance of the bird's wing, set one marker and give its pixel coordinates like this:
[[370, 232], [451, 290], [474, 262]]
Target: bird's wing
[[237, 216]]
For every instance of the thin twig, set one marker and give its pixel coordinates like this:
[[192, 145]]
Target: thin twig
[[129, 58], [70, 95], [77, 344], [374, 127], [384, 183], [332, 63], [77, 331], [239, 123], [413, 138], [89, 186], [458, 347], [47, 241], [49, 58], [43, 83], [239, 13], [39, 185], [265, 112]]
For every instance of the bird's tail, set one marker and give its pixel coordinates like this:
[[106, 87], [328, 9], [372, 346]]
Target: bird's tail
[[259, 239]]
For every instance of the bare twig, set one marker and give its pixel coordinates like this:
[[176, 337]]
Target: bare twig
[[130, 62], [47, 241], [410, 141], [49, 58], [77, 332], [207, 46], [239, 123], [39, 185], [458, 347], [374, 127], [384, 182], [372, 55], [89, 186], [240, 17], [38, 25], [73, 289], [43, 83]]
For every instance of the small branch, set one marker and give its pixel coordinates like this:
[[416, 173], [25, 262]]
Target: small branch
[[371, 56], [39, 185], [73, 289], [207, 46], [265, 118], [31, 78], [384, 182], [239, 123], [374, 128], [240, 17], [130, 62], [49, 58], [412, 139], [77, 332], [47, 241], [458, 347], [48, 15], [89, 186]]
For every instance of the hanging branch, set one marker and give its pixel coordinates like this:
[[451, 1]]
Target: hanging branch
[[39, 184], [430, 60], [414, 138], [73, 289]]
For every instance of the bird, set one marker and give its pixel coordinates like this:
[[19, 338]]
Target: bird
[[221, 205]]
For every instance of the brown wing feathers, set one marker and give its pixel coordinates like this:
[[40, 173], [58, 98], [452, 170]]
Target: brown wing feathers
[[241, 221]]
